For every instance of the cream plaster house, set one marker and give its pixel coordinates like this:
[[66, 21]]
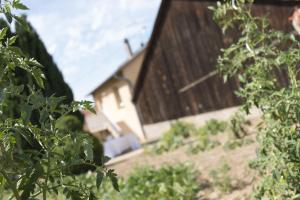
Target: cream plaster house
[[116, 114]]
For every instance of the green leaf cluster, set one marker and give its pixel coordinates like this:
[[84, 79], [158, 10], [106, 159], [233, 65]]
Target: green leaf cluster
[[238, 125], [37, 157], [176, 182], [221, 179], [174, 138], [213, 127], [258, 59], [237, 143], [204, 142]]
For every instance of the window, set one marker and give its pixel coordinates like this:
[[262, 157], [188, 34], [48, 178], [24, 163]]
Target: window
[[118, 98]]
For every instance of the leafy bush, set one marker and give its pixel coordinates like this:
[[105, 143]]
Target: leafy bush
[[35, 158], [73, 124], [236, 143], [220, 178], [182, 129], [203, 143], [238, 125], [213, 127], [170, 182], [69, 122], [257, 58], [179, 131], [174, 138]]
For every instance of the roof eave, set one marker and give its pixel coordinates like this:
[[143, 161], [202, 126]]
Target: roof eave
[[117, 71], [161, 16]]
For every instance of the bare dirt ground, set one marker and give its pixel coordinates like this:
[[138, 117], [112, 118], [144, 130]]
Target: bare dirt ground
[[204, 162]]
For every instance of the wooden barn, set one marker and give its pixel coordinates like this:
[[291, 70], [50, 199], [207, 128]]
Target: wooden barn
[[177, 78]]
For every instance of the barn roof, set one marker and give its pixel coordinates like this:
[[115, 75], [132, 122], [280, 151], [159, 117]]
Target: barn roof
[[161, 17]]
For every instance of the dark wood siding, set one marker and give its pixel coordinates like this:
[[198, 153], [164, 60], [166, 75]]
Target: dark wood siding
[[187, 49]]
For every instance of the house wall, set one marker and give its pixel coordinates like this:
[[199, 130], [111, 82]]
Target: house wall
[[185, 49], [124, 116], [132, 70]]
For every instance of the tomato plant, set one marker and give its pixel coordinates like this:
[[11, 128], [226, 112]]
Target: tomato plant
[[36, 157], [256, 58]]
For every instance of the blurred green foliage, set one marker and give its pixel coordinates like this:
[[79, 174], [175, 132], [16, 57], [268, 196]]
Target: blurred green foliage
[[238, 125], [203, 143], [170, 182], [174, 138], [69, 122], [36, 157], [213, 127], [221, 179], [260, 58], [237, 143]]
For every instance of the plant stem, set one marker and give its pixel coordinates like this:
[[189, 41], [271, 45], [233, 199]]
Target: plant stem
[[12, 186], [45, 188]]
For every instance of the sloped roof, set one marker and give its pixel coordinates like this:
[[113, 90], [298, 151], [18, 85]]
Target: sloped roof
[[162, 13], [122, 66], [161, 17]]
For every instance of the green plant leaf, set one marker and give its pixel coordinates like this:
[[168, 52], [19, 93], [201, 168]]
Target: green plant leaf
[[18, 5], [113, 178], [99, 179], [3, 33], [22, 22], [12, 40]]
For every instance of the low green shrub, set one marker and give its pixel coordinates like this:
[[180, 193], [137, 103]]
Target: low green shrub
[[179, 131], [237, 143], [213, 127], [238, 125], [203, 143], [221, 179], [182, 129], [170, 182], [174, 138]]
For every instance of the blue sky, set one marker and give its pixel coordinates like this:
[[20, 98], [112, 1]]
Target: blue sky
[[86, 37]]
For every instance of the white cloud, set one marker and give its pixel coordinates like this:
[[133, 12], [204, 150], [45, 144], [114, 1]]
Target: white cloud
[[98, 17], [133, 5], [71, 71], [78, 33], [113, 36]]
